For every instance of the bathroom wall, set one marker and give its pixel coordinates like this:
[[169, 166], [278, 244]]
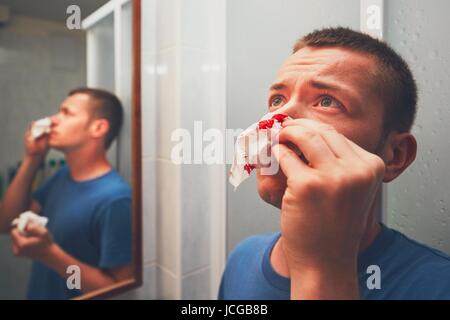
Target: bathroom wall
[[418, 201], [39, 64], [259, 39], [181, 81]]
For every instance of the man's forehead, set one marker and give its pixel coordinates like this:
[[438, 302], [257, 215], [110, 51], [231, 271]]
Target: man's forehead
[[78, 101], [337, 63]]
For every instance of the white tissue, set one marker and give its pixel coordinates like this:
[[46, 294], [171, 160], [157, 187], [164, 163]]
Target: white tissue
[[26, 218], [252, 145], [40, 127]]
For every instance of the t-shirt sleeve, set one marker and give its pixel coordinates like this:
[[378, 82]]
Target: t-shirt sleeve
[[115, 234]]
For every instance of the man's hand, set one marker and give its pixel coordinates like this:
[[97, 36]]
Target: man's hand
[[36, 148], [36, 244], [325, 206]]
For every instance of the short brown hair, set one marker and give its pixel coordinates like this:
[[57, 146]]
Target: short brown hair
[[108, 107], [393, 78]]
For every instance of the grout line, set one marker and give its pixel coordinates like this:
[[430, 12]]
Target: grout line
[[166, 270], [198, 270], [150, 263]]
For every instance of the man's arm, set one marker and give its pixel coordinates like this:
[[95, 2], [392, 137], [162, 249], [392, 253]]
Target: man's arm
[[38, 245], [91, 277], [18, 196]]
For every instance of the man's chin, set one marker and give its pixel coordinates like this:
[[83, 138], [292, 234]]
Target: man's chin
[[55, 145], [271, 188]]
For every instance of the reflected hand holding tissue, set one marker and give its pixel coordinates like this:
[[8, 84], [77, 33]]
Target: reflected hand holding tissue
[[28, 217], [40, 127], [251, 146]]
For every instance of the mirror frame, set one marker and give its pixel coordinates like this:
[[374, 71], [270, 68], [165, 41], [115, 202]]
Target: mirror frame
[[136, 149]]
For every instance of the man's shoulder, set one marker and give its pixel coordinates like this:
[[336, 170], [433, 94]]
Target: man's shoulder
[[114, 187], [423, 253], [252, 248], [426, 270]]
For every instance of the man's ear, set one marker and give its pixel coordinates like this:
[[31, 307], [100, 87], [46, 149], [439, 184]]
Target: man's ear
[[398, 153], [99, 128]]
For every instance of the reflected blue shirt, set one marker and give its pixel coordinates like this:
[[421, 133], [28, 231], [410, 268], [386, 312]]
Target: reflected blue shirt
[[409, 270], [89, 220]]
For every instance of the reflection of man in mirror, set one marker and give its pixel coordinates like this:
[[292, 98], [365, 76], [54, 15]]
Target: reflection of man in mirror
[[353, 102], [87, 203]]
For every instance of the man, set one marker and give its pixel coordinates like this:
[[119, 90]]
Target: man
[[87, 203], [353, 102]]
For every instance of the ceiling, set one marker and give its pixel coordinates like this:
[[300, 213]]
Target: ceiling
[[54, 10]]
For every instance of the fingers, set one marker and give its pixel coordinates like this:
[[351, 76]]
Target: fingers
[[310, 143], [35, 230], [16, 237], [340, 146], [336, 142], [289, 161]]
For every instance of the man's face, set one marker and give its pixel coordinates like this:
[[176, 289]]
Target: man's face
[[70, 126], [329, 85]]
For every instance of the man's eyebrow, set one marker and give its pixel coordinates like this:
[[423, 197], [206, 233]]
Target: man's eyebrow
[[65, 107], [325, 85], [278, 86], [321, 85]]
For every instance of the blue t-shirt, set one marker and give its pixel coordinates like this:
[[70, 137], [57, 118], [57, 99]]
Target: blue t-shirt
[[408, 269], [89, 220]]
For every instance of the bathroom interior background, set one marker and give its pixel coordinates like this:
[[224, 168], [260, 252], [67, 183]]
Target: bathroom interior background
[[252, 40]]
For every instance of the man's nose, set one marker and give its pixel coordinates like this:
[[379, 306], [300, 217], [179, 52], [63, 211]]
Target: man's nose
[[54, 120], [293, 108]]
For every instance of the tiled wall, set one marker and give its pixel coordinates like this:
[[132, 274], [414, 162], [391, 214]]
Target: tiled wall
[[181, 57], [418, 201]]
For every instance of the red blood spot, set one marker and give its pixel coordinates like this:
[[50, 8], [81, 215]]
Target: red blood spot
[[266, 124], [280, 117], [249, 167]]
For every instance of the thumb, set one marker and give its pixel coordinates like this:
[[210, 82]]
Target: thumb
[[35, 230]]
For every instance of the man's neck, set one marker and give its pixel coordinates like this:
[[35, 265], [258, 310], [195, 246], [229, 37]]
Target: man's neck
[[85, 164], [278, 260]]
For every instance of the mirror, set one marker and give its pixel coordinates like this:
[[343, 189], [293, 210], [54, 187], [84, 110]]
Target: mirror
[[76, 65]]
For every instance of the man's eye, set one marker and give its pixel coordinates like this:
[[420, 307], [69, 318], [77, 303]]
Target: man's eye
[[276, 101], [327, 101]]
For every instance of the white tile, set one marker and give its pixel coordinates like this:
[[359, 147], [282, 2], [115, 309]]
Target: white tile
[[148, 25], [149, 210], [166, 102], [195, 95], [168, 222], [148, 105], [167, 285], [196, 286], [194, 23], [195, 217], [167, 23]]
